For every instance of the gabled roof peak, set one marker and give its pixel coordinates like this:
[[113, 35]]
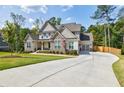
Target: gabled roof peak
[[73, 23]]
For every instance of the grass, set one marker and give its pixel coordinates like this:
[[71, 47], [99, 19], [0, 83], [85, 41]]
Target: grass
[[118, 68], [25, 59]]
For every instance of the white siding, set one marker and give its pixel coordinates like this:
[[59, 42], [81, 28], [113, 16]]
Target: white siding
[[58, 38], [77, 34], [75, 45], [48, 28], [46, 35], [68, 34], [29, 39], [90, 43]]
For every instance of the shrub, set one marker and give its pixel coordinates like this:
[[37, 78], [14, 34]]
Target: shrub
[[122, 49], [74, 52], [43, 51], [50, 51], [53, 52], [57, 52], [61, 52], [67, 52], [71, 52]]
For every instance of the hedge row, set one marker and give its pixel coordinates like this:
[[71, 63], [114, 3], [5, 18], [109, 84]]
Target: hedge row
[[70, 52]]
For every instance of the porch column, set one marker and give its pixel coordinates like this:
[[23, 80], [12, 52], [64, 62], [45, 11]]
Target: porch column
[[52, 45], [36, 45], [41, 45]]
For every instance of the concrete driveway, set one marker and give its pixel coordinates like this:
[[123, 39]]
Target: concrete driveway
[[94, 69]]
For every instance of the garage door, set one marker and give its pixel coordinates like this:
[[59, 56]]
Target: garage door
[[85, 48]]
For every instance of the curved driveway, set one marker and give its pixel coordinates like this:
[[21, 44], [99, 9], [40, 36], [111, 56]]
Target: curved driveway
[[94, 69]]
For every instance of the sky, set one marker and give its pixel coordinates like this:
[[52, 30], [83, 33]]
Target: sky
[[78, 13]]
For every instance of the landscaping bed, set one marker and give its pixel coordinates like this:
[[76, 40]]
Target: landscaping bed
[[12, 57], [71, 52]]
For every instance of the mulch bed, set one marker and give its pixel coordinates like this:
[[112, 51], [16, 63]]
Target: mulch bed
[[13, 56]]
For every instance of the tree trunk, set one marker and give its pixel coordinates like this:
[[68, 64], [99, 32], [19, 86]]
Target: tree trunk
[[105, 35], [10, 47], [109, 39]]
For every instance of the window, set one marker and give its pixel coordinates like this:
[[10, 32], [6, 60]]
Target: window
[[57, 45], [71, 45], [46, 36], [28, 44]]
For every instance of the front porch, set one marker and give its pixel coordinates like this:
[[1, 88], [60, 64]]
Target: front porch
[[42, 45]]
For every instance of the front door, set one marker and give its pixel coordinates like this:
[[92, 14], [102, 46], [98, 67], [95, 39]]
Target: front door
[[46, 45]]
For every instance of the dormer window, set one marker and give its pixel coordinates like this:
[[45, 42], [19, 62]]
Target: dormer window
[[46, 36]]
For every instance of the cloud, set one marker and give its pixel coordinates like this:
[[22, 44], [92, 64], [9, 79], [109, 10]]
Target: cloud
[[66, 7], [35, 8], [26, 9], [120, 6], [31, 20], [44, 9], [68, 18]]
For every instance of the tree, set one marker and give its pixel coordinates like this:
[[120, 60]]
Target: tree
[[22, 35], [117, 33], [122, 49], [103, 14], [58, 21], [37, 25], [98, 35], [121, 20], [55, 21], [8, 33], [83, 29], [18, 21]]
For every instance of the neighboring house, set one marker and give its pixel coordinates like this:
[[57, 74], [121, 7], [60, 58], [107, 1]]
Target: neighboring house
[[3, 44], [60, 38]]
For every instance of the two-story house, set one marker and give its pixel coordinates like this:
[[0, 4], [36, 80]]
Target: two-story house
[[60, 38]]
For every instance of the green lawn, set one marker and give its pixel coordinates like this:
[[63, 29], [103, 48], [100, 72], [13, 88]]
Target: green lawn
[[118, 68], [6, 63]]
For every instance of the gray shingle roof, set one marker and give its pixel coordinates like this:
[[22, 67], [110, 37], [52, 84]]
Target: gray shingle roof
[[86, 36], [34, 37], [73, 26], [44, 25]]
